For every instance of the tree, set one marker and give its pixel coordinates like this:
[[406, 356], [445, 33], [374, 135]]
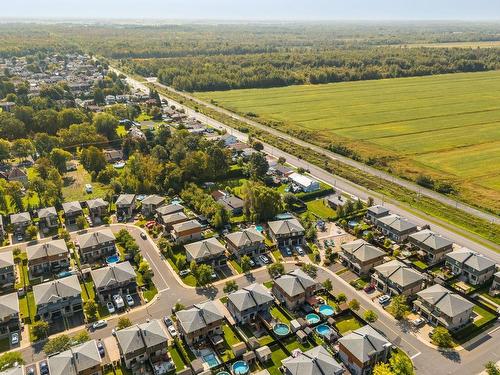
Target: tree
[[81, 337], [79, 135], [22, 148], [401, 364], [354, 304], [442, 337], [70, 116], [93, 159], [10, 127], [57, 344], [9, 359], [31, 231], [106, 125], [4, 150], [59, 158], [289, 200], [204, 274], [257, 166], [230, 286], [90, 310], [245, 263], [221, 217], [327, 284], [491, 368], [40, 329], [258, 146], [370, 316], [370, 201], [310, 269], [382, 369], [81, 222], [387, 243], [260, 202], [399, 307], [341, 297], [123, 322], [276, 269]]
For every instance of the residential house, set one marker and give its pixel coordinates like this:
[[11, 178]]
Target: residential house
[[170, 220], [17, 370], [360, 257], [495, 285], [186, 231], [72, 210], [397, 278], [248, 242], [9, 315], [362, 349], [117, 278], [113, 156], [286, 232], [47, 257], [7, 270], [17, 174], [168, 210], [316, 361], [96, 245], [374, 213], [281, 170], [48, 218], [58, 298], [441, 306], [209, 251], [200, 322], [294, 288], [230, 202], [395, 227], [20, 222], [98, 209], [125, 205], [229, 139], [83, 359], [141, 343], [247, 303], [336, 201], [306, 184], [433, 245], [151, 203], [475, 268]]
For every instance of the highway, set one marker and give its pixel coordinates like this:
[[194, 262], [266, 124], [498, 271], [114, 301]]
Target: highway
[[466, 239]]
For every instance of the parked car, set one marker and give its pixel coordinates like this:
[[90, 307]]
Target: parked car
[[183, 273], [110, 307], [14, 338], [100, 347], [113, 332], [299, 250], [129, 299], [168, 322], [99, 324], [44, 368], [369, 288], [213, 276], [31, 371], [384, 299], [88, 188], [418, 322], [143, 236], [252, 263], [264, 259], [172, 331], [19, 238], [118, 300], [288, 251]]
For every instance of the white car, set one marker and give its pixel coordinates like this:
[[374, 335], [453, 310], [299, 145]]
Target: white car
[[99, 324], [299, 250], [129, 299], [14, 339], [88, 188], [418, 322], [263, 259], [384, 299], [172, 331], [183, 273], [110, 307], [118, 300]]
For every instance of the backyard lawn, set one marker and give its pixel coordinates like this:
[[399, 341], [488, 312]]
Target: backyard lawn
[[420, 264], [292, 343], [176, 357], [320, 209], [74, 184], [277, 314], [277, 356], [347, 323]]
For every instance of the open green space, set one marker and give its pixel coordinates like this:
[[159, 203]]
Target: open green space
[[444, 126], [347, 323], [74, 185], [320, 208]]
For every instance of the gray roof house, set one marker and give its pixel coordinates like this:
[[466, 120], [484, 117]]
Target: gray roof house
[[168, 209], [117, 278], [82, 359], [247, 303], [495, 285], [151, 203], [362, 349], [475, 268], [125, 205], [286, 232], [360, 256], [209, 251], [246, 242], [141, 342], [294, 288], [186, 231], [170, 220], [316, 361], [397, 278], [61, 297], [98, 209], [48, 257], [395, 227], [374, 213], [96, 245], [20, 222], [200, 322], [7, 270], [48, 217], [9, 314], [71, 211], [441, 306], [433, 245], [17, 370]]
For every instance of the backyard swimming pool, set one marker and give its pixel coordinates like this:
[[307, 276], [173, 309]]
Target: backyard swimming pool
[[211, 360], [281, 329], [323, 330], [312, 318], [326, 310], [112, 259], [259, 228], [240, 368]]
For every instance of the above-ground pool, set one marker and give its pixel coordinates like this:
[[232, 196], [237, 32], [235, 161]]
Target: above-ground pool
[[281, 329], [240, 368], [353, 223], [312, 318], [323, 330], [112, 259], [259, 228], [211, 360], [119, 165], [326, 310]]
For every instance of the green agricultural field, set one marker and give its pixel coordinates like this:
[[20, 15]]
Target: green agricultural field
[[444, 126]]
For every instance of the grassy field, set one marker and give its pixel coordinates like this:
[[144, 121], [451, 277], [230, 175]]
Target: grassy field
[[485, 44], [74, 185], [444, 126]]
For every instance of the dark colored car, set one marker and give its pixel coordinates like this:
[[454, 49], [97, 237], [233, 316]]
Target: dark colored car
[[44, 368]]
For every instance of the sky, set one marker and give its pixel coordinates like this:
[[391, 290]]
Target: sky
[[256, 9]]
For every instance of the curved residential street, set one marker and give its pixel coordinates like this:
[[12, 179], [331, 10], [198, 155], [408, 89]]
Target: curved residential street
[[171, 290]]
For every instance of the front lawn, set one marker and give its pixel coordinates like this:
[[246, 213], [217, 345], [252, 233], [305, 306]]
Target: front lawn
[[236, 266], [347, 323], [320, 209]]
